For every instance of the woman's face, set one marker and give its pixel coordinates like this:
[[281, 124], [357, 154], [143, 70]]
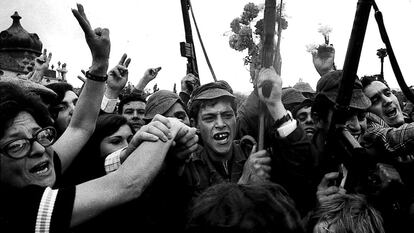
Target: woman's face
[[116, 141], [36, 167]]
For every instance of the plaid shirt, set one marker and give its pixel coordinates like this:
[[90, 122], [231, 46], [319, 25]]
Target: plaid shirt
[[397, 141]]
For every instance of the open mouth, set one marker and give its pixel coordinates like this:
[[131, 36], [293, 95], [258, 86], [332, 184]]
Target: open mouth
[[221, 138], [390, 113], [40, 169]]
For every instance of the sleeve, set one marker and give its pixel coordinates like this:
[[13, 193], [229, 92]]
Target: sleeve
[[393, 140], [108, 105], [113, 161]]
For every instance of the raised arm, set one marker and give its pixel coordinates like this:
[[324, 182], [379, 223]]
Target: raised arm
[[86, 112]]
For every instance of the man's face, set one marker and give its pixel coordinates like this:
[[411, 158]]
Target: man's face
[[384, 103], [355, 123], [134, 111], [217, 124], [304, 117], [37, 167], [66, 108], [178, 112]]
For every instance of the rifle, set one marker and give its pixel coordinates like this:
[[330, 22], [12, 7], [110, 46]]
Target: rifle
[[338, 136], [187, 48], [269, 22]]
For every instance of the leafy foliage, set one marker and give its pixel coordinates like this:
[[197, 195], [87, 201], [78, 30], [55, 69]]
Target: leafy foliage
[[247, 33]]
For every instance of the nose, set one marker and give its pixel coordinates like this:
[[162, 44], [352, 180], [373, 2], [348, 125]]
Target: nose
[[37, 150], [353, 124], [220, 122], [71, 108], [309, 120], [386, 100]]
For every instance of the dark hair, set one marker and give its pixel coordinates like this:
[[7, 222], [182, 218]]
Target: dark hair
[[14, 100], [60, 88], [368, 79], [199, 104], [129, 98], [230, 207], [89, 164]]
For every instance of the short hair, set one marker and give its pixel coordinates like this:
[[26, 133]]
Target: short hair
[[129, 98], [230, 207], [368, 79], [200, 104], [14, 100], [348, 213]]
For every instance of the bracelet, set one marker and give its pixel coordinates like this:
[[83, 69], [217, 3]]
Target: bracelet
[[96, 77], [281, 121]]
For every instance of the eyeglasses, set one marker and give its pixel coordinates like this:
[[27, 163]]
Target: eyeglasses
[[20, 148]]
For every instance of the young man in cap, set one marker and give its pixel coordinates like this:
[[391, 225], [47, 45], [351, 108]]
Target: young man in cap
[[220, 159], [300, 107]]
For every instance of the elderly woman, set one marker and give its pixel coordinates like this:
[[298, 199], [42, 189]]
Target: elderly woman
[[32, 160]]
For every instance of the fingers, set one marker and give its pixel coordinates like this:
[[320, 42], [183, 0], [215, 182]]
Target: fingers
[[163, 120], [127, 62], [49, 57], [116, 71], [105, 33], [259, 154], [159, 129], [187, 136], [327, 178], [149, 137], [81, 78], [83, 22], [123, 58], [254, 149]]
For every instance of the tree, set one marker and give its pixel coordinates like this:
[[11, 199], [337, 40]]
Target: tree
[[243, 37]]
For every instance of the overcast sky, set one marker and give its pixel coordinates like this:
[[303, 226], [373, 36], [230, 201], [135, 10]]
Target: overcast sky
[[150, 33]]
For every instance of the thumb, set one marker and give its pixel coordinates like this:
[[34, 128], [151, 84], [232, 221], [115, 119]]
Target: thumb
[[254, 149]]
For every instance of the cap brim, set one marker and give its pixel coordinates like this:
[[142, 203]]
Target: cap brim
[[358, 101], [213, 94], [161, 108]]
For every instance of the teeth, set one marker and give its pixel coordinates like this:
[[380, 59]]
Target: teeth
[[44, 170], [391, 113], [220, 136]]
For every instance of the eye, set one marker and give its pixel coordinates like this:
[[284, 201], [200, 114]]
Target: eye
[[302, 117], [387, 93], [228, 115], [180, 115], [17, 146], [208, 118], [116, 140], [375, 100]]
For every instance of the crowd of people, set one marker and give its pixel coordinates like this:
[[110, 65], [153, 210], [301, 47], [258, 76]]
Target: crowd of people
[[99, 160]]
